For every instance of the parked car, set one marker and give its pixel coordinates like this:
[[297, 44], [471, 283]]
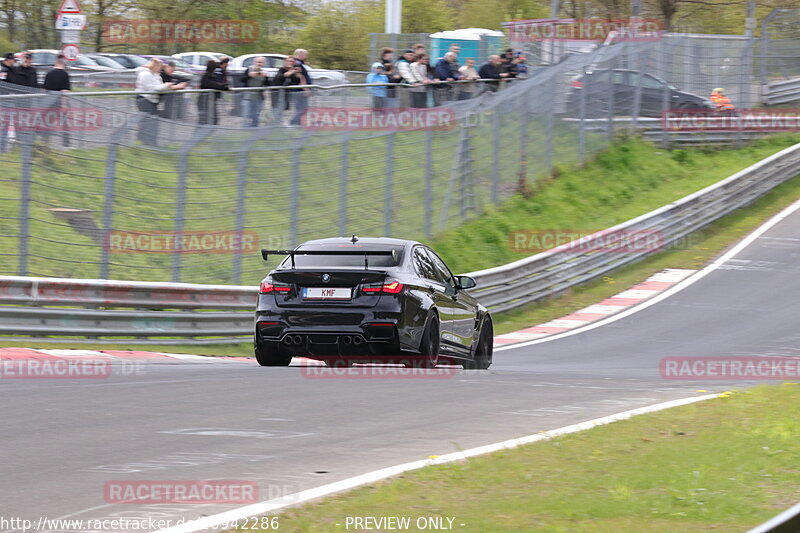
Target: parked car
[[375, 300], [106, 61], [196, 61], [319, 76], [129, 61], [599, 84]]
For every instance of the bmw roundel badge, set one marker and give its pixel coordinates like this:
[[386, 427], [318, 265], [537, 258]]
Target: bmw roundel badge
[[326, 278]]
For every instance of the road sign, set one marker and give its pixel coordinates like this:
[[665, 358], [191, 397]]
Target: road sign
[[70, 52], [69, 6], [69, 21], [71, 36]]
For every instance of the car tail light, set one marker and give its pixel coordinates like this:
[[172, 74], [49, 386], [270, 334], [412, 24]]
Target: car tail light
[[391, 288], [268, 287], [577, 84]]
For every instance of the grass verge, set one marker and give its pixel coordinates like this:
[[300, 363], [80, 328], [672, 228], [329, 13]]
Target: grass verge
[[723, 465]]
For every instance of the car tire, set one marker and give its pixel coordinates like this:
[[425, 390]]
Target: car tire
[[482, 358], [429, 345], [269, 355]]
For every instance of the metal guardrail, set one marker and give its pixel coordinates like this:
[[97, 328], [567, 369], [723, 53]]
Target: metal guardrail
[[546, 274], [164, 313], [782, 92], [786, 522]]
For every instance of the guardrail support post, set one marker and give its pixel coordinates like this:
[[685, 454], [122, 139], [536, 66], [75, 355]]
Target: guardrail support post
[[294, 205]]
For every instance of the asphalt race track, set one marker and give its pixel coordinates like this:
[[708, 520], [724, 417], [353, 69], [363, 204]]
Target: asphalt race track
[[63, 440]]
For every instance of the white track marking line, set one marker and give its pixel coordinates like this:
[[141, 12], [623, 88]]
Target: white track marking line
[[744, 243], [214, 521]]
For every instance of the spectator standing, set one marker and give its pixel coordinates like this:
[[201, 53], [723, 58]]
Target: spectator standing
[[148, 84], [378, 93], [418, 49], [207, 103], [467, 89], [391, 90], [300, 96], [8, 69], [446, 70], [420, 69], [289, 74], [26, 73], [173, 105], [255, 76], [491, 71], [8, 75], [57, 79], [387, 56], [403, 68]]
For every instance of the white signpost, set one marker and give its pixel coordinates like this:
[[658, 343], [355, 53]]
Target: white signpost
[[70, 21]]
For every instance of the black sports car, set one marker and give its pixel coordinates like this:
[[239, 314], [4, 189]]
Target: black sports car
[[622, 83], [373, 300]]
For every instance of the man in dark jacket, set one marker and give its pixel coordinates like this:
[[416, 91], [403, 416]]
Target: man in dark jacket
[[26, 72], [207, 102], [300, 96], [491, 71], [8, 69], [446, 69], [173, 103], [57, 79]]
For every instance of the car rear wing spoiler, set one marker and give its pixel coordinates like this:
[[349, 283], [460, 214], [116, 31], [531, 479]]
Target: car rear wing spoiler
[[366, 253]]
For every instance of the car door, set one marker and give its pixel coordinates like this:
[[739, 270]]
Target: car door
[[652, 95], [460, 307], [440, 293]]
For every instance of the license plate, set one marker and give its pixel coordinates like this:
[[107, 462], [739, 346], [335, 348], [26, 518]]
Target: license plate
[[327, 293]]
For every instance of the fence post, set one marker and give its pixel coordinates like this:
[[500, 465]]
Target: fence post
[[522, 179], [180, 200], [108, 210], [241, 195], [26, 155], [582, 121], [387, 203], [550, 124], [294, 205], [343, 176], [665, 99], [495, 156], [428, 183]]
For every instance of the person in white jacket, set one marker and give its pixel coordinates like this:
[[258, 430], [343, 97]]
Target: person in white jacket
[[148, 84]]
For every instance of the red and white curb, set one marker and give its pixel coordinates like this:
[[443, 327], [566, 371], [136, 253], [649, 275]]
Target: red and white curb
[[652, 286]]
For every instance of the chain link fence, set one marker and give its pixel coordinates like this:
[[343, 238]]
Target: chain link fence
[[112, 192]]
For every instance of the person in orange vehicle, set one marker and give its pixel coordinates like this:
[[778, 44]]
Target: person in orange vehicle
[[722, 102]]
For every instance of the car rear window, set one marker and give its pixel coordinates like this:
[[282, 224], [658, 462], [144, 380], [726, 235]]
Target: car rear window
[[310, 261]]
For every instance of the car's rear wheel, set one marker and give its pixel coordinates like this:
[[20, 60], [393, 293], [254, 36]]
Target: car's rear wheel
[[483, 350], [270, 354], [429, 346]]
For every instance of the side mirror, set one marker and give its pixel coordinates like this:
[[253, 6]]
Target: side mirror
[[465, 282]]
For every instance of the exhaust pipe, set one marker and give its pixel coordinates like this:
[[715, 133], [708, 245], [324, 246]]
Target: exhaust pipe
[[347, 340], [357, 340], [287, 340], [298, 339]]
